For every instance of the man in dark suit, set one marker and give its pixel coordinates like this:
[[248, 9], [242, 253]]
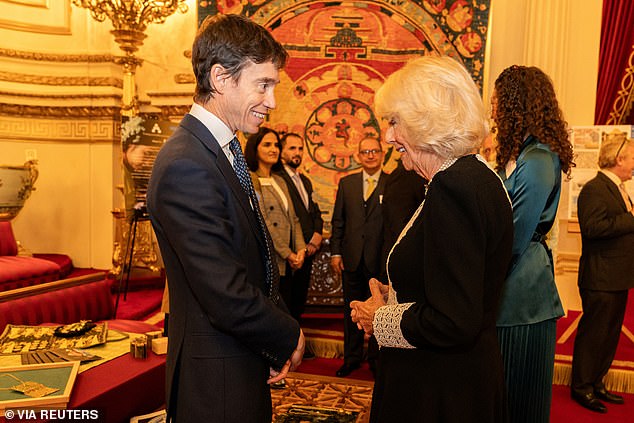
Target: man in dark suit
[[606, 272], [307, 210], [230, 334], [356, 241]]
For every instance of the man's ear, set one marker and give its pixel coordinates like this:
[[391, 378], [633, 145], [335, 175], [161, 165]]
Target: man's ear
[[218, 78]]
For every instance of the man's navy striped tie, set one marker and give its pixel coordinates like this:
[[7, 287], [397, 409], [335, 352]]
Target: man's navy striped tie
[[242, 172]]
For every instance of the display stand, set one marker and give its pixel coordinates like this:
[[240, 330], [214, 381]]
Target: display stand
[[139, 214]]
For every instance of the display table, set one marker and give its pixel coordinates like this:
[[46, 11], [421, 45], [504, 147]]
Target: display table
[[121, 388], [118, 388]]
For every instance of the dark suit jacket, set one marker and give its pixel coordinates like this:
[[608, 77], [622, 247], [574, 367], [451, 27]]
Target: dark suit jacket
[[451, 265], [309, 218], [607, 235], [404, 192], [224, 330], [357, 226]]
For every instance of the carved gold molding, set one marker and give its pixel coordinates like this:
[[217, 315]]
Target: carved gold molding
[[184, 78], [63, 96], [156, 94], [175, 113], [61, 80], [52, 57], [70, 112], [49, 130]]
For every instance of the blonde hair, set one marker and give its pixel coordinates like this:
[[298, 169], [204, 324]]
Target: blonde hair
[[438, 105], [609, 150]]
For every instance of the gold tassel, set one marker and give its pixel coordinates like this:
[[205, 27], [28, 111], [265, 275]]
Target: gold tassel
[[616, 380], [562, 374], [325, 348]]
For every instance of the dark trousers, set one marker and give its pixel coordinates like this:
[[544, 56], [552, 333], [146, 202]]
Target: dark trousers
[[300, 282], [356, 288], [286, 284], [597, 337]]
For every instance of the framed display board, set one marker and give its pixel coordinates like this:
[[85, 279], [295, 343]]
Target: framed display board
[[37, 385]]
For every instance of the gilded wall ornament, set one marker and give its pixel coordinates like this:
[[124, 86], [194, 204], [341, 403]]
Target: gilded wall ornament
[[52, 57], [61, 80]]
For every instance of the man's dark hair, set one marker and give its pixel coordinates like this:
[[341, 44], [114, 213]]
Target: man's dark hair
[[251, 149], [286, 136], [231, 41]]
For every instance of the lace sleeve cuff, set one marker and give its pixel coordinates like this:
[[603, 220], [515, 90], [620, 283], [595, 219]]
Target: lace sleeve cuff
[[387, 326]]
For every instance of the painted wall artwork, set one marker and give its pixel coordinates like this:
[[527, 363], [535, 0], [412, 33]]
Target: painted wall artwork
[[340, 54]]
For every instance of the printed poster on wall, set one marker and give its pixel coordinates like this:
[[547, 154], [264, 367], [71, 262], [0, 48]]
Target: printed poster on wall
[[586, 141], [142, 137]]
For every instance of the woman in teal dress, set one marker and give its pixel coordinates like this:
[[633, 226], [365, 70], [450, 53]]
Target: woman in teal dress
[[533, 151]]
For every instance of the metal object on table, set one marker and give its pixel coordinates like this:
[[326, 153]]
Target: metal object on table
[[305, 413]]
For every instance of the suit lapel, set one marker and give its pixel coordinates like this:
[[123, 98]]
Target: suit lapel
[[309, 190], [278, 199], [357, 191], [296, 197], [201, 132], [614, 190], [292, 189]]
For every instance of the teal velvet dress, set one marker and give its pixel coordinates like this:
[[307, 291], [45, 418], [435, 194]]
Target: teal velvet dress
[[530, 302]]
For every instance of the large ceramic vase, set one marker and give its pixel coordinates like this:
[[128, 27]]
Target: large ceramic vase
[[16, 184]]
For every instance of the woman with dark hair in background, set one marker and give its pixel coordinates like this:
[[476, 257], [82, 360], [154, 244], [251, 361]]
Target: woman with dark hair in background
[[533, 150], [262, 154]]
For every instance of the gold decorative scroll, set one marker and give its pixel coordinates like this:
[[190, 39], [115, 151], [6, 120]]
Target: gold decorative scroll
[[625, 96]]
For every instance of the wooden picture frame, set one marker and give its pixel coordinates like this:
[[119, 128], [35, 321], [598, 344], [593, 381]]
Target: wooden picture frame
[[54, 375]]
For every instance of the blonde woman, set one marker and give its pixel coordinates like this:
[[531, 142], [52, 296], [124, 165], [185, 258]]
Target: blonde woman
[[435, 320]]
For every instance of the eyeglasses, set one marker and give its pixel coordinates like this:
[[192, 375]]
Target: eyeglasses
[[620, 148], [374, 151]]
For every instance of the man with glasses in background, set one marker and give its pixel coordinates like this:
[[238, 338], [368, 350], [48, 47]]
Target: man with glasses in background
[[357, 237], [606, 272]]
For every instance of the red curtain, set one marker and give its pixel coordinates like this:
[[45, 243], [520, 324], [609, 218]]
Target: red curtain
[[617, 38]]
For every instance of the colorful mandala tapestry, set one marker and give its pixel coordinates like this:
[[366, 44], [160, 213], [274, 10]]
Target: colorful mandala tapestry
[[340, 54]]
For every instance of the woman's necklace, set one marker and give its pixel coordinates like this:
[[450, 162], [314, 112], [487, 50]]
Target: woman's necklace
[[32, 389]]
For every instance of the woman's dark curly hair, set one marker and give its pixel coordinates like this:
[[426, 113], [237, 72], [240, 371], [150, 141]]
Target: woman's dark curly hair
[[251, 149], [527, 105]]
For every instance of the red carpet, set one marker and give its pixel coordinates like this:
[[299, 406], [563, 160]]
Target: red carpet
[[328, 367], [565, 410], [139, 305]]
